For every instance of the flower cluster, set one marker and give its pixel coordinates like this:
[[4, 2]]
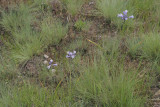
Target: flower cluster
[[50, 63], [71, 54], [124, 15]]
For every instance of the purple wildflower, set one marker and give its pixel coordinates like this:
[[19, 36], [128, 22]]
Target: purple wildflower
[[125, 12], [131, 16], [55, 64], [48, 67], [50, 62], [74, 52], [124, 15], [67, 56], [71, 54]]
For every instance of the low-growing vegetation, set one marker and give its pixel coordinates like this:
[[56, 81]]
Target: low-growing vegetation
[[79, 53]]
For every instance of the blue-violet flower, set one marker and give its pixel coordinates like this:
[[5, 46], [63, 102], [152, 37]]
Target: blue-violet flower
[[124, 15], [71, 54]]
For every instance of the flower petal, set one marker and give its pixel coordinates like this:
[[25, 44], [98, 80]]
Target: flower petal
[[125, 12], [50, 63], [51, 60], [67, 56], [68, 52], [120, 15], [55, 64], [72, 56], [49, 66], [131, 17], [126, 18], [74, 52]]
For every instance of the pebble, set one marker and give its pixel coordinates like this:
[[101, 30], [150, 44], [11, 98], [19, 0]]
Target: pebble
[[46, 56], [45, 62]]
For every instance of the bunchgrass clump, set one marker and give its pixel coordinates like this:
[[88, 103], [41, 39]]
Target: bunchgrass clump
[[26, 95], [8, 69], [73, 6], [25, 40], [52, 31], [110, 8], [146, 15], [81, 25], [146, 47], [140, 10], [109, 84]]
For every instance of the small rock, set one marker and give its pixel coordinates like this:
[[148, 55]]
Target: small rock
[[157, 93], [91, 3], [46, 56], [45, 62]]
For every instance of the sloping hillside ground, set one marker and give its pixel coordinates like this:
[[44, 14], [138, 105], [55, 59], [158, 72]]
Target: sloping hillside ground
[[87, 53]]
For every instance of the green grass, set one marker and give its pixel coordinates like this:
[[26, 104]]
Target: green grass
[[110, 8], [26, 41], [146, 46], [27, 95], [145, 15], [108, 84], [116, 63], [73, 6], [81, 25], [8, 70]]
